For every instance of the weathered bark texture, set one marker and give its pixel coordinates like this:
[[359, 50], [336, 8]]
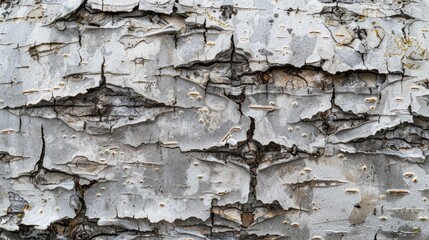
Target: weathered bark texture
[[209, 119]]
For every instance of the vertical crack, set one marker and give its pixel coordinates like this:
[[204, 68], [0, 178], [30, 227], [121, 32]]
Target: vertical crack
[[231, 60], [212, 218], [38, 173], [100, 106], [237, 92], [20, 123], [251, 156], [80, 46], [205, 31], [39, 164], [103, 77]]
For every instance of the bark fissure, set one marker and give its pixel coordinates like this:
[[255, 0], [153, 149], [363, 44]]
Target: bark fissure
[[171, 119]]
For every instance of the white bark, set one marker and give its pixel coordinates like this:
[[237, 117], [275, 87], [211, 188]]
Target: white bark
[[214, 119]]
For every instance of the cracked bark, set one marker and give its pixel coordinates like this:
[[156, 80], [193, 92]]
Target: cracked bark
[[206, 120]]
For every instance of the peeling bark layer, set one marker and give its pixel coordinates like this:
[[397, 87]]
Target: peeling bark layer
[[189, 119]]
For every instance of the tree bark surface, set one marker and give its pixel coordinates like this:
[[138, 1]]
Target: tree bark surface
[[233, 119]]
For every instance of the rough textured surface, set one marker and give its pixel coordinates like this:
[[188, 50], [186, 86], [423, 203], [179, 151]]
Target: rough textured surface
[[189, 119]]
